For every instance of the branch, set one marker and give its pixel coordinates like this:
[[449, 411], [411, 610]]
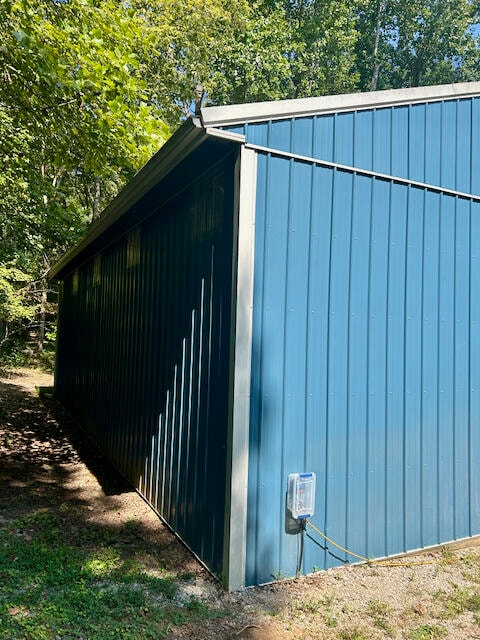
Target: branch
[[33, 325]]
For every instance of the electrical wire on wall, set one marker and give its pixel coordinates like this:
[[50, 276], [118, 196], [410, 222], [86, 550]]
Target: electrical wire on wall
[[303, 525], [382, 563]]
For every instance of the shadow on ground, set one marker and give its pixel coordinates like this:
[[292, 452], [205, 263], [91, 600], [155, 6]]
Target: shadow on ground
[[47, 464], [36, 431]]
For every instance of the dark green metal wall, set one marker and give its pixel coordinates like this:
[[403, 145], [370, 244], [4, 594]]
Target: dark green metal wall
[[144, 351]]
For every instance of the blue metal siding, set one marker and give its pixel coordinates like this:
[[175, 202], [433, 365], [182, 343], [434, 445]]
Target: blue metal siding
[[365, 359], [144, 354], [434, 143]]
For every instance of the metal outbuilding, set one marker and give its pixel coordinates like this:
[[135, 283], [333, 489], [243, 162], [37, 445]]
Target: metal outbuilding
[[290, 287]]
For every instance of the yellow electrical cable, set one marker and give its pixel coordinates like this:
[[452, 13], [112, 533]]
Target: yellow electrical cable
[[382, 563], [355, 555]]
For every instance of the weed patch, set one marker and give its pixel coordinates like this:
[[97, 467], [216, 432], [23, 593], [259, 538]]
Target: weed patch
[[380, 613], [428, 632], [317, 606], [457, 601], [354, 633]]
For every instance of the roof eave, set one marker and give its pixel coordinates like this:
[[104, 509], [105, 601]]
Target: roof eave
[[185, 140], [188, 136], [231, 115]]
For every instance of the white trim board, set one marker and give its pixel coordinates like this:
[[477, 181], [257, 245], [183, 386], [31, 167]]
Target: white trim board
[[235, 547], [281, 109]]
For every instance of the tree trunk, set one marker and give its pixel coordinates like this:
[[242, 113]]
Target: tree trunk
[[96, 199], [42, 315], [43, 305], [376, 61]]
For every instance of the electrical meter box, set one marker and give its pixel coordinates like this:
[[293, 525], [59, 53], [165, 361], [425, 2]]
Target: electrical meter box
[[301, 494]]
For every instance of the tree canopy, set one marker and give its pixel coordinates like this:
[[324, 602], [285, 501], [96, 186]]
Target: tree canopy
[[405, 43], [90, 89]]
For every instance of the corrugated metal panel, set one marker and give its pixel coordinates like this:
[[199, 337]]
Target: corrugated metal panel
[[144, 355], [433, 143], [364, 362]]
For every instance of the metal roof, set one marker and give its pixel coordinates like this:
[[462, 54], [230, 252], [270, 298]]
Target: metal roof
[[302, 107]]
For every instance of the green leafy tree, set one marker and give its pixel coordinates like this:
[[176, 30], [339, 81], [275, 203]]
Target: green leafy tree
[[71, 78], [434, 44], [374, 43], [405, 43], [254, 64], [17, 304], [322, 53], [75, 124], [212, 51]]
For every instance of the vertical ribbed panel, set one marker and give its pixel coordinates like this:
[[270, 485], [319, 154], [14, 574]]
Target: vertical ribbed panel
[[143, 355], [365, 362], [435, 142]]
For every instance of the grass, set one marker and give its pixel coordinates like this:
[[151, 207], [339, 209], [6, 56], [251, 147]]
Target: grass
[[471, 567], [64, 579], [354, 633], [380, 612], [53, 587], [458, 601], [317, 606], [428, 632]]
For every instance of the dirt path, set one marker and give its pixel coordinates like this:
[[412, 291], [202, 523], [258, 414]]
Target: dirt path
[[47, 464]]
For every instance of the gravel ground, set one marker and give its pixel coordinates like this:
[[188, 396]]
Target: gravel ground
[[46, 462]]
